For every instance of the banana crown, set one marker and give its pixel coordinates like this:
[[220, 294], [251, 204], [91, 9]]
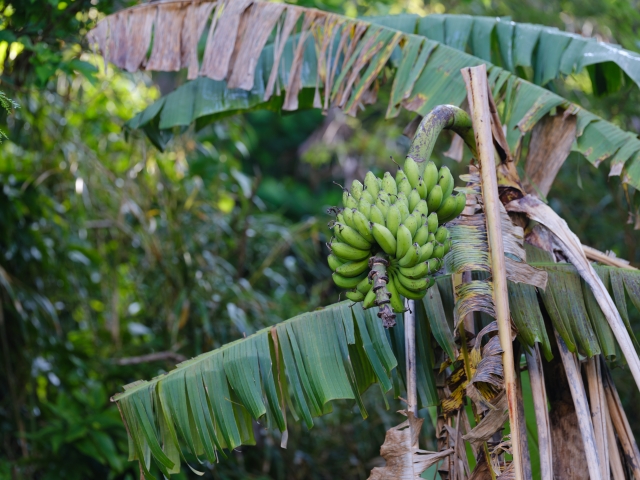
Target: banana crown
[[390, 231]]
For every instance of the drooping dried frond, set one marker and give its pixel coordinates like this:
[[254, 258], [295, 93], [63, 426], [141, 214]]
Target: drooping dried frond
[[570, 245], [475, 296], [470, 252]]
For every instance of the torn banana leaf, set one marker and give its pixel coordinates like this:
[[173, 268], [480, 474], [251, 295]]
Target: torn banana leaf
[[319, 59]]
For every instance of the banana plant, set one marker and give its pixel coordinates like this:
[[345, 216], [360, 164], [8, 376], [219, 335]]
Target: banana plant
[[322, 60]]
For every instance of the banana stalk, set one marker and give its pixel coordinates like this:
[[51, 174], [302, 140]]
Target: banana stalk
[[443, 117], [380, 279]]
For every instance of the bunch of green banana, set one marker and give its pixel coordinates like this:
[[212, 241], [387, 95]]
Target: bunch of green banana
[[389, 238]]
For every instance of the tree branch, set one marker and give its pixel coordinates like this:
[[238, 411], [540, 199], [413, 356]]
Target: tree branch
[[151, 357]]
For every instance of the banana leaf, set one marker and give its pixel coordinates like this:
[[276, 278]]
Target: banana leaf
[[295, 369], [318, 59]]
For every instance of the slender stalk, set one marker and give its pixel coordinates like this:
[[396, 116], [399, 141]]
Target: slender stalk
[[443, 117], [617, 470], [597, 403], [410, 354], [477, 88], [582, 409], [538, 389], [621, 424]]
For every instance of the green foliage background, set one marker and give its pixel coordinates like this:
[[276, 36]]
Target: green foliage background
[[110, 249]]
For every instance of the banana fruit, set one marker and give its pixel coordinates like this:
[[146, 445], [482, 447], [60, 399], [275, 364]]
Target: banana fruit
[[389, 237]]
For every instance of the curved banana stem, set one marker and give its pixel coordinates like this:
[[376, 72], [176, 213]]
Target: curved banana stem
[[443, 117], [378, 275]]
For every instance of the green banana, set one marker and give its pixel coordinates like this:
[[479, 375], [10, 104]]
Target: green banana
[[405, 292], [414, 198], [366, 196], [403, 241], [353, 238], [348, 252], [364, 207], [369, 299], [421, 207], [376, 215], [434, 264], [422, 188], [447, 246], [439, 251], [389, 184], [412, 171], [336, 232], [353, 269], [363, 226], [430, 175], [412, 257], [404, 211], [404, 186], [422, 235], [400, 176], [414, 284], [383, 203], [411, 222], [417, 271], [394, 297], [371, 184], [402, 198], [434, 199], [441, 234], [347, 282], [461, 202], [355, 296], [394, 217], [446, 209], [364, 286], [432, 221], [350, 201], [384, 238], [356, 189], [426, 251], [347, 213], [445, 181], [334, 262], [345, 196]]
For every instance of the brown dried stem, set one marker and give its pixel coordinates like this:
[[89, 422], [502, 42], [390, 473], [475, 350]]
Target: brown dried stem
[[477, 88]]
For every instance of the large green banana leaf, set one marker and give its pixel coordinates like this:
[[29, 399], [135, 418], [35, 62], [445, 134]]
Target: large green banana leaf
[[237, 74], [547, 51], [206, 405]]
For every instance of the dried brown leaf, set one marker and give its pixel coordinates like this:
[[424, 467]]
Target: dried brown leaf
[[293, 14], [550, 144], [140, 26], [166, 53], [295, 82], [222, 39], [194, 23], [492, 422], [260, 23], [405, 461]]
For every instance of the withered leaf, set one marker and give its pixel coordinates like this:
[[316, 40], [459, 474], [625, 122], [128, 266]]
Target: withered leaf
[[405, 461]]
